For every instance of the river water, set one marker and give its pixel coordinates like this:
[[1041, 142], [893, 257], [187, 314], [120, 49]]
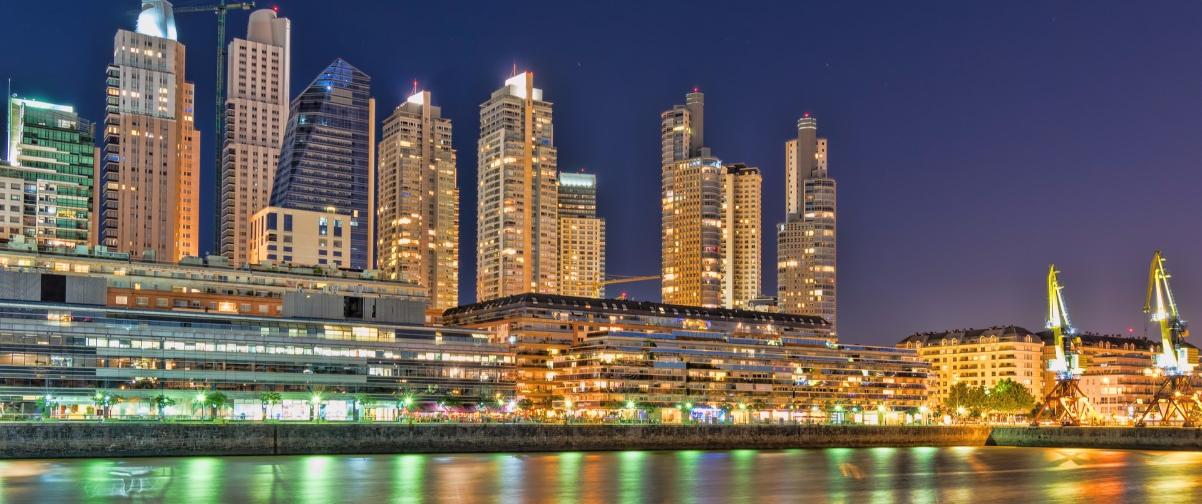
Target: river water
[[854, 475]]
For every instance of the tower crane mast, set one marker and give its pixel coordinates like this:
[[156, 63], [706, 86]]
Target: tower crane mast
[[1175, 397], [1066, 402], [220, 8]]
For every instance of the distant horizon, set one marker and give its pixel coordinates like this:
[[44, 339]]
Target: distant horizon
[[973, 144]]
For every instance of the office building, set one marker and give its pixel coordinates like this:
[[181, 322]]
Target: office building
[[256, 115], [543, 327], [741, 247], [418, 209], [691, 238], [53, 157], [581, 237], [61, 358], [206, 285], [516, 210], [327, 162], [288, 237], [149, 180], [806, 257]]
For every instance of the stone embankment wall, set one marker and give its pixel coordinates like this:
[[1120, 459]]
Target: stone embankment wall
[[53, 440], [1146, 438]]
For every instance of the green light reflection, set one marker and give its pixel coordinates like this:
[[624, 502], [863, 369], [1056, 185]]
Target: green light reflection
[[630, 476]]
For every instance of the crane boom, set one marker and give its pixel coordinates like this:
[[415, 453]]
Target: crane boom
[[1066, 363], [1162, 308], [220, 9]]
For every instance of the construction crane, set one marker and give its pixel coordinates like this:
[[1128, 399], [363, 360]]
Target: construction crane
[[1175, 396], [1066, 401], [220, 9], [623, 279]]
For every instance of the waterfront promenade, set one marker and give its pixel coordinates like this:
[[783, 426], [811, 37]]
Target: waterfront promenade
[[119, 439]]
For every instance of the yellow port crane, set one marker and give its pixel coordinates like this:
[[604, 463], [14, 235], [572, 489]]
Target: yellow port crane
[[1065, 402], [1175, 397]]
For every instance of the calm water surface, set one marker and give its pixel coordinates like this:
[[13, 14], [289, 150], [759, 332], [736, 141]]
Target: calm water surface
[[861, 475]]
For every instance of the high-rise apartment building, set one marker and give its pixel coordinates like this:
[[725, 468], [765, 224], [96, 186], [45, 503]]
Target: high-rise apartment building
[[740, 235], [52, 158], [806, 240], [149, 182], [256, 114], [581, 237], [516, 217], [327, 165], [691, 239], [418, 208]]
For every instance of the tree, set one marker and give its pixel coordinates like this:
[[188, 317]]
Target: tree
[[216, 402], [161, 402], [963, 399], [1010, 397], [358, 402], [525, 404], [267, 400]]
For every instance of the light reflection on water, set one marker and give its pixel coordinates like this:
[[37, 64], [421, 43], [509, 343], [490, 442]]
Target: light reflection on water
[[977, 475]]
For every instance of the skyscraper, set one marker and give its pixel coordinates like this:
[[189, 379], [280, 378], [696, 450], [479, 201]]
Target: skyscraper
[[327, 166], [581, 237], [149, 179], [256, 114], [52, 157], [740, 235], [516, 225], [806, 240], [691, 236], [418, 207]]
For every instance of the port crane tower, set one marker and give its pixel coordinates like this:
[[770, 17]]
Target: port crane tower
[[1065, 402], [1175, 396]]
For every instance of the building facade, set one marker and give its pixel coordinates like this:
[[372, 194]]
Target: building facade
[[52, 151], [712, 375], [543, 327], [516, 211], [806, 252], [149, 180], [205, 286], [741, 247], [581, 237], [327, 162], [418, 210], [64, 357], [291, 237], [691, 208], [256, 115], [980, 357]]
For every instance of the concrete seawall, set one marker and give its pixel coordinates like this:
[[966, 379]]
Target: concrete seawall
[[1098, 437], [62, 440]]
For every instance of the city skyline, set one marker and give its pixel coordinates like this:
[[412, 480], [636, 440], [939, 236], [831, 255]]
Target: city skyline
[[973, 221]]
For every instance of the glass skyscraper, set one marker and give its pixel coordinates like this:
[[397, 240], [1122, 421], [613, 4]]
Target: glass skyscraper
[[53, 152], [326, 164]]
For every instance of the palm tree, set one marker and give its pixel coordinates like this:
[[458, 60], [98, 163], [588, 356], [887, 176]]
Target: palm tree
[[267, 399], [216, 402], [161, 402]]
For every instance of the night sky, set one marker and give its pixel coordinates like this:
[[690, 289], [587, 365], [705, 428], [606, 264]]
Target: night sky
[[973, 142]]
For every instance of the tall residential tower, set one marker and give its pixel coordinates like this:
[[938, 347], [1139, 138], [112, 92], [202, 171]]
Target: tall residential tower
[[741, 223], [806, 240], [149, 182], [256, 114], [516, 223], [418, 210], [581, 237]]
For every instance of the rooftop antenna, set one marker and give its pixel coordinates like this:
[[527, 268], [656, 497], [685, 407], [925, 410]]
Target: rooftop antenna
[[414, 86], [515, 69]]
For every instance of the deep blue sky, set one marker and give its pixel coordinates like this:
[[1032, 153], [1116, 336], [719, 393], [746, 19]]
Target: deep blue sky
[[973, 142]]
